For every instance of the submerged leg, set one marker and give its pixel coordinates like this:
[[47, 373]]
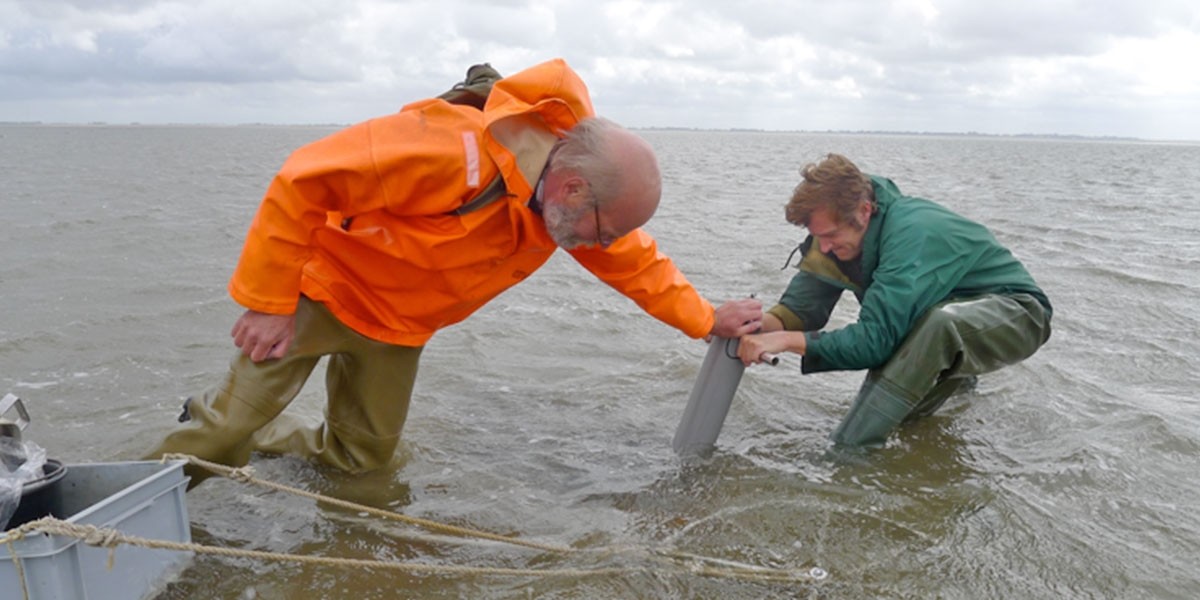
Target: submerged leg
[[878, 408], [369, 385], [951, 344], [217, 426]]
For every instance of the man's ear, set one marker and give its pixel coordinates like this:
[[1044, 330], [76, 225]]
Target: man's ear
[[575, 185], [865, 210]]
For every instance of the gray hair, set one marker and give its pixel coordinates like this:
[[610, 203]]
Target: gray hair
[[586, 150]]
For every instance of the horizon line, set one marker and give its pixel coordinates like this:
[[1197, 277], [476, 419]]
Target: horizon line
[[1064, 136]]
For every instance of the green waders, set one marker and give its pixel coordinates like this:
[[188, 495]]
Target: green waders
[[368, 384], [951, 344]]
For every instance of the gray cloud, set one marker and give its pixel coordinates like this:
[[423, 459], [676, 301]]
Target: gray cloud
[[1048, 66]]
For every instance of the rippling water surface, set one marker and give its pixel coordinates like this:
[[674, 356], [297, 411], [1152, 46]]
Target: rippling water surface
[[549, 414]]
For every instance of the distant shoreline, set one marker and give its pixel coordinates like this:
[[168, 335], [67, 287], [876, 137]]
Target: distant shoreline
[[967, 134]]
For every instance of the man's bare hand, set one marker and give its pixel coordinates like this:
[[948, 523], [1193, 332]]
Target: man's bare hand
[[762, 347], [737, 318], [262, 335]]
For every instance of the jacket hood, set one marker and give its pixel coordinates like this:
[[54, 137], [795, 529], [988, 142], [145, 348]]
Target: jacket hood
[[526, 113]]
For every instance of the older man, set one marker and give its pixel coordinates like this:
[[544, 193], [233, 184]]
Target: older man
[[941, 300], [369, 241]]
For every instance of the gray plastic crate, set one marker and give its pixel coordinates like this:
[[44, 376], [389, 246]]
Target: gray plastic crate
[[144, 499]]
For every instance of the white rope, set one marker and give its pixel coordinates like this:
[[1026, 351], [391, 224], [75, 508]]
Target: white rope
[[679, 561]]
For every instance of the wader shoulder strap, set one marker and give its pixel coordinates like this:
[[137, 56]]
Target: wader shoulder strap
[[473, 90], [494, 191]]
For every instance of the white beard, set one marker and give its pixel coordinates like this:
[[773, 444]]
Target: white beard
[[560, 224]]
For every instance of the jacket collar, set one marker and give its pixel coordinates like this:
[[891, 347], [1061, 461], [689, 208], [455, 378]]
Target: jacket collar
[[886, 193]]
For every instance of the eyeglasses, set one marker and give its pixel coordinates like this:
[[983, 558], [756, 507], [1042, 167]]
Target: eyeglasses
[[602, 240], [596, 208]]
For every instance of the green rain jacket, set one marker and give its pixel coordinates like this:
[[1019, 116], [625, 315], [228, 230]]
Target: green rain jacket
[[916, 254]]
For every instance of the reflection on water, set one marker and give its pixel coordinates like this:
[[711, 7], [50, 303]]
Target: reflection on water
[[548, 415]]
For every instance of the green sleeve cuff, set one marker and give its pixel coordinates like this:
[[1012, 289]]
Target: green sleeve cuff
[[790, 321]]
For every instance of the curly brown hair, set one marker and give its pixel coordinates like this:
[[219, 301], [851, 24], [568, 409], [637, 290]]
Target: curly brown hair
[[834, 183]]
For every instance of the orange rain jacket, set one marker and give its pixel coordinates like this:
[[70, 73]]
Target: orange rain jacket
[[361, 222]]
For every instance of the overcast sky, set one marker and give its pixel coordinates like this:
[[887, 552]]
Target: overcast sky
[[1127, 68]]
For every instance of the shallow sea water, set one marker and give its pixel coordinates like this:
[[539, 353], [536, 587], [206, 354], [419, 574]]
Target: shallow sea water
[[549, 414]]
